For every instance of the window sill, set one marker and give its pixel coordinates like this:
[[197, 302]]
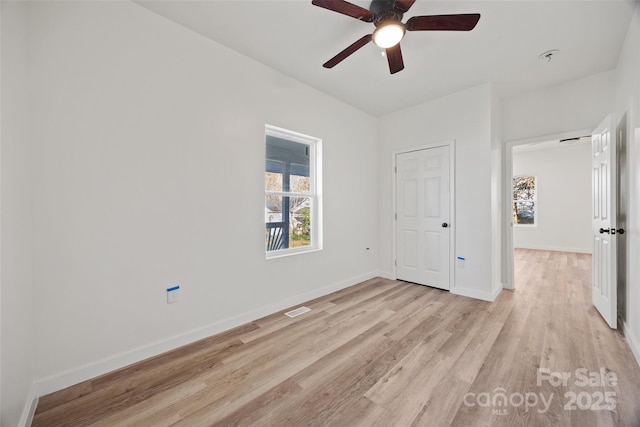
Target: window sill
[[290, 252]]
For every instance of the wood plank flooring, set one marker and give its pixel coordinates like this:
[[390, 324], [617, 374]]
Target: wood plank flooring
[[387, 353]]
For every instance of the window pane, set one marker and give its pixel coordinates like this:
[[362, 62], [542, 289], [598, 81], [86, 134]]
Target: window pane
[[273, 209], [276, 235], [524, 188], [300, 220], [524, 212], [272, 181], [292, 231], [293, 154], [300, 184]]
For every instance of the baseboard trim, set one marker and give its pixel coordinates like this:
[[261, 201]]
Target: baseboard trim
[[471, 293], [26, 419], [68, 378], [386, 274], [633, 342], [554, 249], [481, 295]]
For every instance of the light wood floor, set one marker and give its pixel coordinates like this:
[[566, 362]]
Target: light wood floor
[[385, 353]]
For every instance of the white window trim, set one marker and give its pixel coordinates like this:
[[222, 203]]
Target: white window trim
[[535, 201], [315, 194]]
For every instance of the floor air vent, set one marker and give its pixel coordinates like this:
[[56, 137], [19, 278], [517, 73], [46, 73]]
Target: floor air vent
[[297, 311]]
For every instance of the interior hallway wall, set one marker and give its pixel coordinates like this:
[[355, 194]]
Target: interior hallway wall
[[17, 355], [575, 105], [563, 205]]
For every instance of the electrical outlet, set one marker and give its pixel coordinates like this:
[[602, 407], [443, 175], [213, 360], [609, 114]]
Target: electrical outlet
[[172, 294]]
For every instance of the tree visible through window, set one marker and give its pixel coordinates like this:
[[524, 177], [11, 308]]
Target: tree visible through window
[[524, 200], [291, 192]]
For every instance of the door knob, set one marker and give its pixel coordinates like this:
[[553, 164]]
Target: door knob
[[445, 225], [620, 230], [604, 230]]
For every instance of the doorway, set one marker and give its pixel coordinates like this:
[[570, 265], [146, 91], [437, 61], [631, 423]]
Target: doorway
[[540, 228]]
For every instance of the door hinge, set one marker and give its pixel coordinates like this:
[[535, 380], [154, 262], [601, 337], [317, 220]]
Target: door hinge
[[395, 262], [395, 216], [395, 169]]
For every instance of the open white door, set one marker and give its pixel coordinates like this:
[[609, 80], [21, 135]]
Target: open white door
[[423, 210], [603, 231]]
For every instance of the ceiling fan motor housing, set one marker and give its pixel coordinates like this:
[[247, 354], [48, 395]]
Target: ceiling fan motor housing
[[380, 7], [388, 16]]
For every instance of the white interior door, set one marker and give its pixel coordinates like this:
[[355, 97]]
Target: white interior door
[[604, 221], [422, 219]]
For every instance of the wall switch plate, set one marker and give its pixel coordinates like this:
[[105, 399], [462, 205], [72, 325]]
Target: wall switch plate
[[172, 294]]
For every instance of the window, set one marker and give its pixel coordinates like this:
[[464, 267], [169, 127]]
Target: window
[[524, 200], [292, 196]]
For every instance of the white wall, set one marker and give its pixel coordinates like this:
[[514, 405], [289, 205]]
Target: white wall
[[564, 198], [149, 159], [17, 355], [579, 104], [628, 102], [466, 118]]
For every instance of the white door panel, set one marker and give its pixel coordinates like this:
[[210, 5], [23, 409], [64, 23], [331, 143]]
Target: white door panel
[[604, 280], [422, 189]]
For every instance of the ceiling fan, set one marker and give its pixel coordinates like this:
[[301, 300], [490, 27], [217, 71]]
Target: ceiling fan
[[386, 15]]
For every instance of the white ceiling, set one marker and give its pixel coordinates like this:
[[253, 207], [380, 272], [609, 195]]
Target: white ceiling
[[296, 38]]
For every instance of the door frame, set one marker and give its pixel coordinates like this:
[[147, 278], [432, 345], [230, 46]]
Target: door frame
[[622, 209], [507, 228], [452, 212]]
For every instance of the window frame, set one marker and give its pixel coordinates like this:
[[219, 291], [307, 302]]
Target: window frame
[[315, 185], [534, 200]]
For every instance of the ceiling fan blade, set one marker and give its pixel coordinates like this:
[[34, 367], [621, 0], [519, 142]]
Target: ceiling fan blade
[[403, 5], [394, 57], [461, 22], [348, 51], [346, 8]]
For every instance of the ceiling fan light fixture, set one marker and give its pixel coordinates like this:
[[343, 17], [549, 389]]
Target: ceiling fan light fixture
[[386, 16], [389, 34]]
